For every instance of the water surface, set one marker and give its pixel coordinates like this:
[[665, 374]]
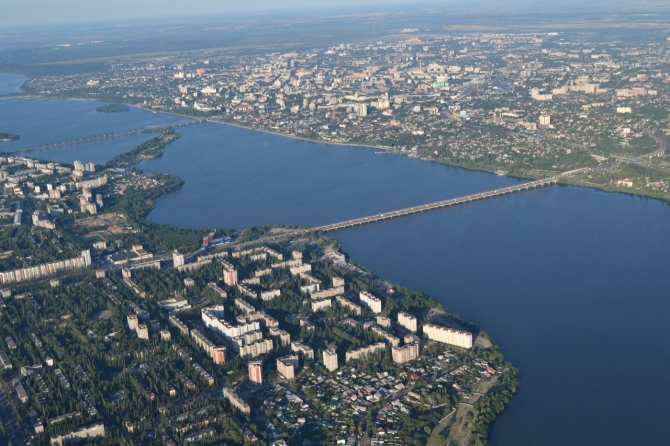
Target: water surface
[[46, 122], [10, 83], [571, 282], [239, 178]]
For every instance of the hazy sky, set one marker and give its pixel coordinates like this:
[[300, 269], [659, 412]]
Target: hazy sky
[[26, 12]]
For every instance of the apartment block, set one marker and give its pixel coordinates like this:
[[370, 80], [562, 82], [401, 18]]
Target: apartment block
[[405, 353], [330, 358], [407, 321], [370, 301], [362, 352], [256, 372], [447, 335], [287, 366]]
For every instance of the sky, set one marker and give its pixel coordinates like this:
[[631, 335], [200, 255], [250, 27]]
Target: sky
[[32, 12], [26, 13]]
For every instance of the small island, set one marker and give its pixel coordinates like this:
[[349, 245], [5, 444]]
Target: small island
[[6, 137], [112, 108]]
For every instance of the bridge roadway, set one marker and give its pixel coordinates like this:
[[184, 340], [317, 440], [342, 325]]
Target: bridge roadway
[[88, 139], [417, 209], [438, 205]]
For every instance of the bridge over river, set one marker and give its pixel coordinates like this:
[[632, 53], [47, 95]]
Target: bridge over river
[[88, 139], [418, 209]]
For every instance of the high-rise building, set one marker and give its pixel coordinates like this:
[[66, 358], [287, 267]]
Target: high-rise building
[[405, 353], [321, 304], [305, 350], [256, 348], [363, 352], [407, 321], [283, 336], [87, 257], [236, 400], [219, 355], [229, 274], [545, 120], [383, 320], [177, 259], [287, 366], [370, 301], [447, 335], [132, 322], [330, 358], [256, 372], [142, 331]]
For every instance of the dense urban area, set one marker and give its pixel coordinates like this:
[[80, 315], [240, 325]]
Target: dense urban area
[[523, 104], [117, 330], [120, 331]]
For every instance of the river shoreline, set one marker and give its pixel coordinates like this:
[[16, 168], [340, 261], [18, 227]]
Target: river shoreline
[[385, 149], [393, 151]]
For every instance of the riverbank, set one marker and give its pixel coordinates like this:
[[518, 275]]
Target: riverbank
[[487, 399], [528, 175]]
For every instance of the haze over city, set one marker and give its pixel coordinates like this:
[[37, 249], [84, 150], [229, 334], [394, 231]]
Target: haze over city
[[24, 13]]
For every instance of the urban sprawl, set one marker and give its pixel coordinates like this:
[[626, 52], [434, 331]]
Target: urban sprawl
[[526, 104], [114, 331]]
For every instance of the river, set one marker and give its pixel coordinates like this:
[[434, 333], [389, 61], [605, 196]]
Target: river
[[572, 283]]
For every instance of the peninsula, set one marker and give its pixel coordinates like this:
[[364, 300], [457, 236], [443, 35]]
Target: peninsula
[[6, 137], [112, 108], [221, 335]]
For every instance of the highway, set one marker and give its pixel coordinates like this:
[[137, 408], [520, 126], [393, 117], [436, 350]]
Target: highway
[[644, 160]]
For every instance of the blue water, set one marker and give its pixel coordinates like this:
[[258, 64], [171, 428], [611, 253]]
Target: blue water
[[43, 122], [10, 83], [572, 283], [239, 178]]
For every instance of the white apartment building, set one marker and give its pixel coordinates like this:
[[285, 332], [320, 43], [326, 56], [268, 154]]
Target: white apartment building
[[320, 304], [407, 321], [287, 366], [405, 353], [447, 335], [370, 301], [364, 351]]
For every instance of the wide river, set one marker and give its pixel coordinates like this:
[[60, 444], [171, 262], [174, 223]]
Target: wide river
[[572, 283]]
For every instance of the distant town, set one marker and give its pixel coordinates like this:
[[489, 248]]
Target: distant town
[[524, 104]]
